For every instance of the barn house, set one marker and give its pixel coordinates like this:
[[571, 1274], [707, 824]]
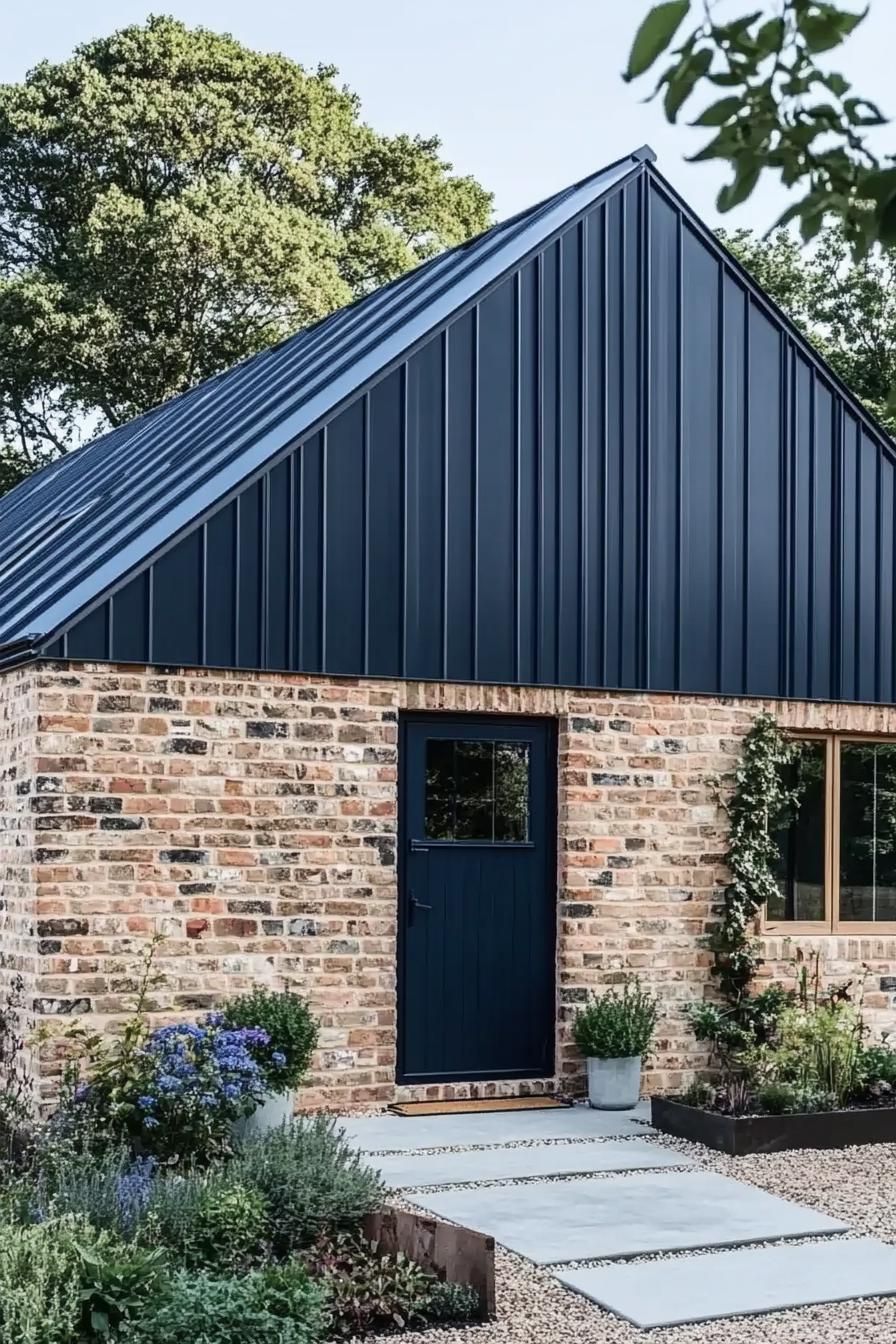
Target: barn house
[[400, 662]]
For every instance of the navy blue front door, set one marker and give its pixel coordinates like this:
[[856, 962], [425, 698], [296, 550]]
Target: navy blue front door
[[477, 901]]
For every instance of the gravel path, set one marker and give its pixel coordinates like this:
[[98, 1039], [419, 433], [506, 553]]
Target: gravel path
[[857, 1185]]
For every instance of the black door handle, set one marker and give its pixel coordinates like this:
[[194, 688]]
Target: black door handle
[[414, 904]]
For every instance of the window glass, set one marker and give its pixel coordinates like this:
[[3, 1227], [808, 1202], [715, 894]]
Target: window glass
[[801, 845], [477, 790], [868, 831]]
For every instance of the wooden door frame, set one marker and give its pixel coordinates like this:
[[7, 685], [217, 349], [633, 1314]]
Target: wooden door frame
[[407, 718]]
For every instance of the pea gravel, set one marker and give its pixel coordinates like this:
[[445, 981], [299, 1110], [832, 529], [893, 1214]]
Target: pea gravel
[[857, 1185]]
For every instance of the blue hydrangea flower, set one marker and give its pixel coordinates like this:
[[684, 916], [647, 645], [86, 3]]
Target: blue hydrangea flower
[[278, 1058], [146, 1103]]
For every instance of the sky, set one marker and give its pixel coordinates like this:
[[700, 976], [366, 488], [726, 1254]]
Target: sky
[[525, 94]]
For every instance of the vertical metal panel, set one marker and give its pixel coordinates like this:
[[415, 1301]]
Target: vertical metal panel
[[803, 540], [850, 501], [527, 483], [383, 536], [249, 591], [177, 613], [616, 468], [664, 411], [310, 555], [130, 607], [344, 542], [220, 610], [699, 598], [459, 543], [732, 492], [425, 506], [495, 547], [569, 462], [279, 565], [820, 671], [886, 589], [763, 552]]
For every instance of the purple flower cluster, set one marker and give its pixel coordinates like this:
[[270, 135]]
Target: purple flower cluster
[[198, 1077], [133, 1191]]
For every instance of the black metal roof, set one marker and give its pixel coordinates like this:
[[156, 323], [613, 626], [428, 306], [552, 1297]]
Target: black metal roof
[[77, 529]]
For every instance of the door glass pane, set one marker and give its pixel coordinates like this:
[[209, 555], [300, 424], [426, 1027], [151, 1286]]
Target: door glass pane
[[801, 845], [477, 790], [868, 831]]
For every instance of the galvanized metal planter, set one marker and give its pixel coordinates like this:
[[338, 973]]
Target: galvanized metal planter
[[742, 1135]]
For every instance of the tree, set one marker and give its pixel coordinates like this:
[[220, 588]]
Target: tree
[[780, 109], [171, 202], [846, 307]]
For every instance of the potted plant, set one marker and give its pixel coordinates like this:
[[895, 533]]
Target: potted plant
[[290, 1030], [613, 1032]]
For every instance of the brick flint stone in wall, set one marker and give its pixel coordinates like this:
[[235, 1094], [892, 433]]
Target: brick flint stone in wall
[[62, 928], [259, 820]]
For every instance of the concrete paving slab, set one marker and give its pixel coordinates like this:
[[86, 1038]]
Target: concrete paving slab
[[559, 1221], [403, 1134], [403, 1171], [739, 1283]]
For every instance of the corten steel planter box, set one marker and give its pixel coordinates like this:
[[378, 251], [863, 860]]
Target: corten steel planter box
[[744, 1134], [454, 1254]]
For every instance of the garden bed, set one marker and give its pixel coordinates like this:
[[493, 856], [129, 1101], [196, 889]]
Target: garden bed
[[452, 1253], [741, 1135]]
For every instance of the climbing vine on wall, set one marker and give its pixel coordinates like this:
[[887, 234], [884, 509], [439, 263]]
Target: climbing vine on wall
[[766, 796]]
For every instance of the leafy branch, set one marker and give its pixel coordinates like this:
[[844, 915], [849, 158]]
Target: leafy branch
[[780, 109]]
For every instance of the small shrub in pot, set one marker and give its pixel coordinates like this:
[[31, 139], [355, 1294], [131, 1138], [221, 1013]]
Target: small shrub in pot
[[291, 1030], [614, 1031]]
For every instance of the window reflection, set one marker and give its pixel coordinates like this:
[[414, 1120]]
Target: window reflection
[[477, 790], [868, 831]]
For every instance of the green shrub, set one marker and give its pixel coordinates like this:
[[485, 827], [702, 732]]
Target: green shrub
[[452, 1302], [117, 1280], [258, 1308], [111, 1190], [617, 1025], [699, 1094], [877, 1064], [367, 1291], [291, 1027], [819, 1050], [779, 1098], [40, 1289], [206, 1218], [310, 1179]]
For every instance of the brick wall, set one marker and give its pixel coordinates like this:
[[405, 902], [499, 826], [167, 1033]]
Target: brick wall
[[251, 819], [18, 843]]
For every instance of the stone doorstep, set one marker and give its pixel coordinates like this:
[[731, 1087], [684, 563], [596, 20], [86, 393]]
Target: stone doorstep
[[614, 1217], [404, 1134], [738, 1283], [413, 1170]]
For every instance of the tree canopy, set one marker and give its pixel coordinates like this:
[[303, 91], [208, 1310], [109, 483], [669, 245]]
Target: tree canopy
[[846, 307], [776, 106], [171, 202]]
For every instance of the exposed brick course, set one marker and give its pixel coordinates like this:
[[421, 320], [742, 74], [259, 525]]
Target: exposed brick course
[[251, 819]]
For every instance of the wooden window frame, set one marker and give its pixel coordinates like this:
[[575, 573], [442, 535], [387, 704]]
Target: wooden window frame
[[832, 925]]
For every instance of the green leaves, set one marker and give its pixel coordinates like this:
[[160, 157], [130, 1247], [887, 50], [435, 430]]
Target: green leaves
[[654, 35], [719, 112], [171, 202], [772, 117]]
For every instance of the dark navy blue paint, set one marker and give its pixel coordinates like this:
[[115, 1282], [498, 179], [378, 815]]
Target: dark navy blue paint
[[476, 923], [616, 466]]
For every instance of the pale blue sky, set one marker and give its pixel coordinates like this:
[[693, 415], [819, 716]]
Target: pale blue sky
[[525, 94]]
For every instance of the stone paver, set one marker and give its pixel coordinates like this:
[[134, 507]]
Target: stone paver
[[560, 1221], [403, 1134], [739, 1283], [407, 1170]]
